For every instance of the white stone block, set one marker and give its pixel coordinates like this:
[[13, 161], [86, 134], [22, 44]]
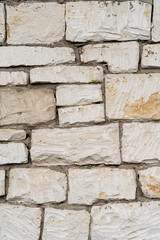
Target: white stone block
[[13, 78], [156, 21], [2, 23], [120, 57], [86, 186], [2, 182], [151, 56], [85, 145], [12, 134]]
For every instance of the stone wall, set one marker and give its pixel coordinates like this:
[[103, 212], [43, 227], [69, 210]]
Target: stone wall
[[79, 120]]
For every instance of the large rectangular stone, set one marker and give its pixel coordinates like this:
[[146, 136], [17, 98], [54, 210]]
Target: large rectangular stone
[[66, 224], [35, 23], [140, 142], [2, 182], [18, 222], [66, 74], [100, 183], [13, 153], [78, 94], [133, 96], [12, 134], [126, 221], [13, 78], [120, 57], [150, 182], [30, 106], [156, 21], [36, 186], [31, 56], [2, 22], [87, 145], [151, 56], [81, 114], [99, 21]]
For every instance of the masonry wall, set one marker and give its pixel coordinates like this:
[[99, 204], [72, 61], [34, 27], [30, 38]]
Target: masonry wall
[[79, 120]]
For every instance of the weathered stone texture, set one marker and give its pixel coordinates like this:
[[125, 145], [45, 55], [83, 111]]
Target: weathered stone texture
[[151, 56], [66, 224], [31, 106], [140, 142], [13, 153], [36, 186], [133, 96], [2, 23], [2, 182], [156, 21], [13, 78], [96, 21], [87, 145], [17, 222], [120, 57], [81, 114], [40, 23], [30, 56], [12, 134], [100, 183], [78, 94], [66, 74], [126, 221], [150, 182]]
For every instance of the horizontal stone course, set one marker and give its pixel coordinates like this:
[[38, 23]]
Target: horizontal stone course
[[66, 74], [30, 106], [99, 21], [120, 57], [32, 56], [35, 23], [36, 186], [100, 183], [66, 224], [81, 146], [137, 220]]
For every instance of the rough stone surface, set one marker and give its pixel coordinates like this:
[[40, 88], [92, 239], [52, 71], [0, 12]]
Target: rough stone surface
[[96, 21], [2, 182], [2, 23], [66, 224], [140, 142], [13, 78], [13, 153], [81, 114], [156, 21], [120, 57], [87, 145], [12, 134], [126, 221], [30, 56], [29, 106], [133, 96], [18, 222], [150, 182], [66, 74], [36, 186], [78, 94], [40, 23], [151, 56], [100, 183]]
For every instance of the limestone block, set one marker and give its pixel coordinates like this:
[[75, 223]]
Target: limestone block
[[2, 23], [13, 153], [156, 21], [30, 106], [36, 186], [35, 23], [13, 78], [140, 142], [85, 145], [100, 183], [151, 56], [120, 57], [12, 134], [99, 21], [133, 96], [126, 221], [66, 224], [81, 114], [2, 182]]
